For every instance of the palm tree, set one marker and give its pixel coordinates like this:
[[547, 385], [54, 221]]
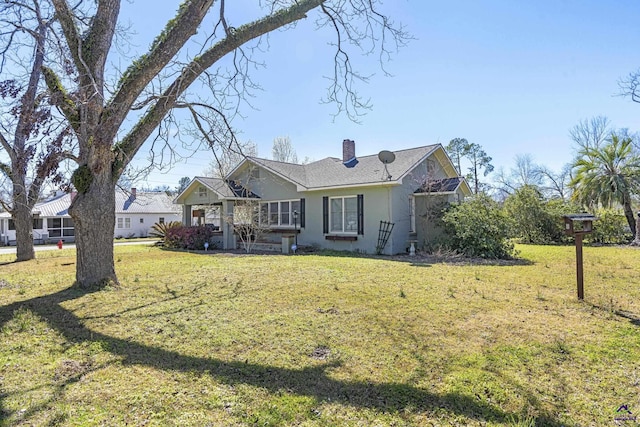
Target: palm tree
[[607, 175]]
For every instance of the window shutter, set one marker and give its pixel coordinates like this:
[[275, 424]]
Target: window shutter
[[325, 214], [361, 214], [302, 221]]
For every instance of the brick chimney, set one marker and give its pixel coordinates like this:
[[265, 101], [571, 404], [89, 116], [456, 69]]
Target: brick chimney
[[133, 192], [348, 151]]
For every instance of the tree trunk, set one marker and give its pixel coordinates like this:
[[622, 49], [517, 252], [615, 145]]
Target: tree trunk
[[636, 241], [23, 220], [93, 214], [628, 213]]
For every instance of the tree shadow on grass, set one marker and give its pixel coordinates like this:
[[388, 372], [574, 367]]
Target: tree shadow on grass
[[311, 381], [422, 259], [633, 318]]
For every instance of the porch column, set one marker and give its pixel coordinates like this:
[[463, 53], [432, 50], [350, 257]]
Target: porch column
[[186, 215], [226, 224]]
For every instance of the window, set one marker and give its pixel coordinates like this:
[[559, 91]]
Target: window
[[280, 213], [343, 216], [161, 220], [412, 214], [37, 224], [141, 220], [60, 227], [202, 191], [124, 222]]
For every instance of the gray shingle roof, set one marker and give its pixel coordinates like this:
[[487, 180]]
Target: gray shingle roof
[[331, 172]]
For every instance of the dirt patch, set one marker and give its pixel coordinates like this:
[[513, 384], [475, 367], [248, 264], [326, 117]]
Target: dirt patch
[[320, 353], [71, 369]]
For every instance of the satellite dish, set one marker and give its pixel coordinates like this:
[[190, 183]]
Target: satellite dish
[[386, 157]]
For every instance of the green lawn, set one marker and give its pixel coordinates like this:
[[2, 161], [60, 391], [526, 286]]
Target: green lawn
[[321, 340]]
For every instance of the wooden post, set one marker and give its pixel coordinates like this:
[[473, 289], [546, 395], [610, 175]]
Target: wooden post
[[579, 274]]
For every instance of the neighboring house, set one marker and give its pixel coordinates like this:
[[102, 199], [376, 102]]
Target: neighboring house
[[336, 203], [135, 213]]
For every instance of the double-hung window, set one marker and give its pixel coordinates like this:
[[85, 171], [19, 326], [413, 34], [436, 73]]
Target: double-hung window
[[343, 214], [124, 222]]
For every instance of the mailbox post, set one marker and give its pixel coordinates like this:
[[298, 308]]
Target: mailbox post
[[578, 225]]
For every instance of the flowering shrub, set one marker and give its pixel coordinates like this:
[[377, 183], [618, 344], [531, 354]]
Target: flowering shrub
[[183, 237]]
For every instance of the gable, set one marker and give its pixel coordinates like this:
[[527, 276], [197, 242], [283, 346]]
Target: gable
[[332, 173]]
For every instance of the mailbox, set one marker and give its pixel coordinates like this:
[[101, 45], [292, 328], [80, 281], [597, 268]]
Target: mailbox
[[578, 223]]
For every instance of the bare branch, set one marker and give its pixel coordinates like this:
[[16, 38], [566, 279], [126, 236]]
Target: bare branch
[[141, 131], [66, 20], [164, 48]]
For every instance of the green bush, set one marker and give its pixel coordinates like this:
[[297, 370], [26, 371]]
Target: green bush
[[530, 222], [556, 209], [478, 227], [611, 227], [534, 220]]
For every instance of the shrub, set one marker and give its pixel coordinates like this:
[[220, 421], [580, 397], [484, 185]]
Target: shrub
[[556, 209], [160, 229], [611, 227], [192, 238], [530, 221], [478, 227]]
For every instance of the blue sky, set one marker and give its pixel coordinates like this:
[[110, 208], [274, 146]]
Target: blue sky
[[512, 76]]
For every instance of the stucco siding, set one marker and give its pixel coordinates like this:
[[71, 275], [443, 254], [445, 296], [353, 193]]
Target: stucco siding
[[267, 185], [207, 196]]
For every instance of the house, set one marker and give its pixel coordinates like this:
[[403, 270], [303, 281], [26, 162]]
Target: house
[[135, 213], [372, 204]]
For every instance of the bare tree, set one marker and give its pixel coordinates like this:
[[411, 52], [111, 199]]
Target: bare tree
[[111, 123], [33, 139], [590, 133], [283, 150], [555, 185], [227, 158], [525, 172], [249, 220]]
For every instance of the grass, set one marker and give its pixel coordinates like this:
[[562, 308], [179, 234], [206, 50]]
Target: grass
[[321, 340]]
